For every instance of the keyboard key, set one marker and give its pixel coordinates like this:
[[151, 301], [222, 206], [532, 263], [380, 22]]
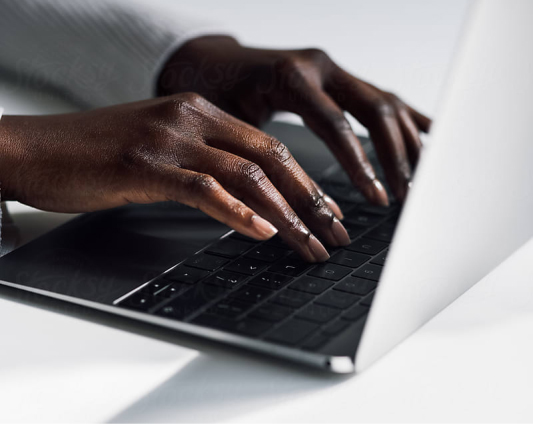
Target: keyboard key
[[230, 308], [173, 289], [354, 230], [191, 301], [368, 246], [271, 312], [337, 299], [350, 259], [238, 236], [185, 274], [380, 258], [318, 313], [207, 262], [276, 241], [336, 327], [368, 299], [246, 266], [155, 286], [311, 285], [369, 271], [354, 285], [267, 253], [270, 280], [252, 294], [355, 313], [246, 326], [330, 271], [225, 279], [376, 210], [141, 302], [292, 298], [292, 332], [362, 218], [315, 342], [292, 266], [229, 247], [381, 233]]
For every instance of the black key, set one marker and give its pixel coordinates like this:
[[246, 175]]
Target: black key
[[229, 247], [292, 332], [271, 312], [358, 286], [238, 236], [311, 285], [225, 279], [344, 192], [291, 265], [369, 271], [368, 299], [190, 301], [362, 218], [381, 233], [368, 246], [330, 271], [185, 274], [347, 258], [336, 327], [376, 210], [354, 230], [252, 294], [155, 286], [276, 241], [207, 262], [141, 302], [173, 290], [380, 258], [246, 266], [337, 299], [318, 313], [247, 326], [267, 253], [315, 342], [230, 308], [270, 280], [292, 298], [355, 313]]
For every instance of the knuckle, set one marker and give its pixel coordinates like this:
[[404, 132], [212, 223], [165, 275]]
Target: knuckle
[[190, 97], [381, 107], [278, 151], [316, 54], [339, 123], [203, 184], [252, 172]]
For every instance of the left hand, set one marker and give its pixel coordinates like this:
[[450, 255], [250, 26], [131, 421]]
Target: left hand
[[252, 84]]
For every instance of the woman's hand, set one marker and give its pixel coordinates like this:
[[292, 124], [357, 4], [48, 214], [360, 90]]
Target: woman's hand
[[253, 83], [179, 148]]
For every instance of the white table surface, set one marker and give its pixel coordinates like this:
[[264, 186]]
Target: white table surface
[[472, 362]]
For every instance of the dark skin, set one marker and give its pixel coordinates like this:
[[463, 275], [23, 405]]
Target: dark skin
[[184, 148]]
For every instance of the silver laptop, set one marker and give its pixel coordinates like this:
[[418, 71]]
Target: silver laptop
[[166, 267]]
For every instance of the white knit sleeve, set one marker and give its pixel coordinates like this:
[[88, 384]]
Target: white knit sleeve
[[97, 52]]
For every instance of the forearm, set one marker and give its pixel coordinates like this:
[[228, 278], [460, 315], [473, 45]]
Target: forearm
[[98, 53]]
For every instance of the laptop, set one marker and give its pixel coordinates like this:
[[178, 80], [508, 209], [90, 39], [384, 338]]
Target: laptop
[[470, 207]]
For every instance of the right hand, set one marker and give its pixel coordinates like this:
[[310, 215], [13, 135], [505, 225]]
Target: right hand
[[180, 148]]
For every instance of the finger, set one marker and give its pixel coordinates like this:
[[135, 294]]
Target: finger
[[422, 121], [287, 176], [369, 105], [248, 182], [323, 116], [332, 204], [205, 193], [410, 135]]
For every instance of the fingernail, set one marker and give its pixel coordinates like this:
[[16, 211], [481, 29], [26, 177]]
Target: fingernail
[[317, 249], [263, 228], [379, 194], [333, 206], [340, 233]]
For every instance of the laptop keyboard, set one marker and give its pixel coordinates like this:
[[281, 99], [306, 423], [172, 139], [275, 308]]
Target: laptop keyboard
[[265, 291]]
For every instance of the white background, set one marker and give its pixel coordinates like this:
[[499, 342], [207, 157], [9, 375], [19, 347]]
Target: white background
[[471, 363]]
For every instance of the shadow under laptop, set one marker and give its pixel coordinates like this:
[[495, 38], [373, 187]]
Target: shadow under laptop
[[223, 386]]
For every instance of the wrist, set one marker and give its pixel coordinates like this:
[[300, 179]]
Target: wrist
[[181, 71], [11, 155]]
